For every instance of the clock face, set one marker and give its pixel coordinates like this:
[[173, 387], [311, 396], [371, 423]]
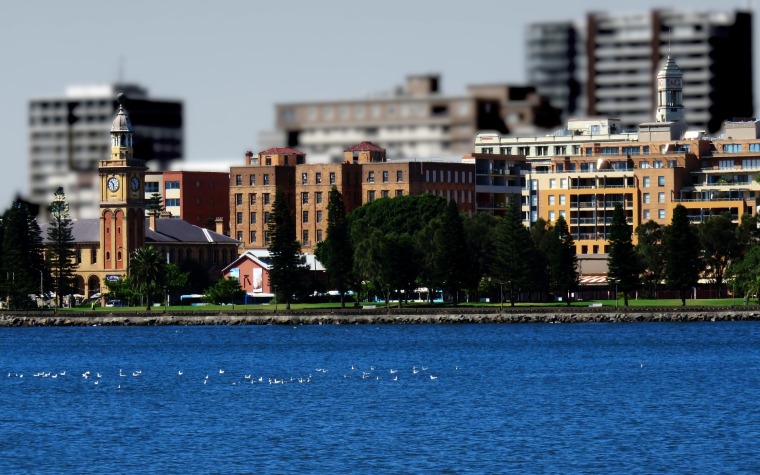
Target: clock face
[[135, 183], [113, 183]]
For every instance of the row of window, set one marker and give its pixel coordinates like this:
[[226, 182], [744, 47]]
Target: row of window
[[253, 237], [648, 215], [252, 197], [647, 199], [252, 180], [466, 177]]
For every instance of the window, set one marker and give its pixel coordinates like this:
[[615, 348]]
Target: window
[[172, 185], [172, 202], [576, 149], [370, 196], [253, 218], [304, 178], [399, 192], [551, 200], [399, 176], [732, 148], [661, 197], [319, 235], [563, 182], [552, 182], [318, 178], [238, 199], [644, 165], [552, 216], [332, 178], [304, 198], [238, 180], [305, 236], [661, 213], [319, 216], [725, 164], [645, 149], [646, 198], [151, 187], [610, 150], [672, 163], [267, 238], [560, 150], [252, 236], [562, 199], [267, 215], [239, 235], [305, 217], [239, 218], [647, 214], [523, 150], [660, 181], [631, 150], [265, 197], [385, 177], [266, 179], [645, 182], [657, 164], [370, 177], [754, 147], [746, 163], [252, 180], [268, 160], [542, 150], [384, 193], [252, 198]]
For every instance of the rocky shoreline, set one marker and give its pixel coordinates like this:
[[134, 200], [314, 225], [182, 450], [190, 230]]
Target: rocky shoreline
[[381, 316]]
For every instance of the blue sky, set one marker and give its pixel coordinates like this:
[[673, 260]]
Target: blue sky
[[230, 61]]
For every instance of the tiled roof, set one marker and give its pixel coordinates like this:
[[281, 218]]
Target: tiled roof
[[167, 230], [281, 151], [363, 147]]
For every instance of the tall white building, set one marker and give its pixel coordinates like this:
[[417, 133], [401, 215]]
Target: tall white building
[[67, 140], [607, 63]]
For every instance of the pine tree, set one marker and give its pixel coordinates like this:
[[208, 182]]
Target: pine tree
[[287, 265], [651, 254], [450, 251], [23, 256], [61, 250], [563, 263], [622, 262], [514, 250], [682, 254], [336, 251]]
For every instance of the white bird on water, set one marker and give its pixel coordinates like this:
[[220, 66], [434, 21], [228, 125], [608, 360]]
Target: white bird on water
[[433, 377], [180, 373], [221, 371]]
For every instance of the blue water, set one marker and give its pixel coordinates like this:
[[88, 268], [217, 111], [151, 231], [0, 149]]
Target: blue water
[[581, 398]]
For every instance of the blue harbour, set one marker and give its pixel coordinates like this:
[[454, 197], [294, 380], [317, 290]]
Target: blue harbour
[[537, 398]]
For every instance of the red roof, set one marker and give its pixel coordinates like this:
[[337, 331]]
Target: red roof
[[281, 151], [364, 146]]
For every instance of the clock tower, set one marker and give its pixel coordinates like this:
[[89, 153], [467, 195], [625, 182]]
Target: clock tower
[[122, 198], [670, 93]]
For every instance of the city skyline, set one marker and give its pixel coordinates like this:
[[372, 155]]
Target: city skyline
[[231, 63]]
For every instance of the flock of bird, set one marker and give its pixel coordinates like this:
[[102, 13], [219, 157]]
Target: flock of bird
[[124, 379]]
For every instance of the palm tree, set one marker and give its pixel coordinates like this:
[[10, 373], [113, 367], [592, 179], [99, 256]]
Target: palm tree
[[147, 270]]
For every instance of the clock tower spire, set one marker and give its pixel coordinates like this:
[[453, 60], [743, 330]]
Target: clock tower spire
[[122, 197], [670, 93]]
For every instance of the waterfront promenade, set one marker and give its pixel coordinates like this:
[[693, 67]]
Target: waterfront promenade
[[382, 316]]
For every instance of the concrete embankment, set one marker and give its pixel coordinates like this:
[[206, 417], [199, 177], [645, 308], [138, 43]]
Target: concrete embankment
[[380, 316]]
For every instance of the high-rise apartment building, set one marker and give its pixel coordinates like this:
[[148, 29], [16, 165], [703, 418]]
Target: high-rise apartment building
[[606, 64], [416, 121], [67, 140]]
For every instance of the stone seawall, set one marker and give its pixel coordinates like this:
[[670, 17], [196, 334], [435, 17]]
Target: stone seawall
[[394, 316]]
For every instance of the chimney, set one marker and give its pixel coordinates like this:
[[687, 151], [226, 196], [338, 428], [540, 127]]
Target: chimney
[[249, 158], [219, 222], [152, 218]]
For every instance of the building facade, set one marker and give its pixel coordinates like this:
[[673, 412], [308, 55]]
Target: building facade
[[364, 176], [582, 172], [415, 121], [67, 140], [198, 197], [606, 64]]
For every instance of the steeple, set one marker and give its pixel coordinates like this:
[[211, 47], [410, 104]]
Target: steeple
[[121, 133], [669, 93]]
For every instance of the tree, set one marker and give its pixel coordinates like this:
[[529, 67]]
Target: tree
[[682, 262], [717, 237], [622, 262], [513, 253], [147, 271], [336, 252], [745, 272], [480, 234], [154, 204], [23, 262], [287, 265], [224, 291], [122, 289], [563, 263], [651, 254], [540, 234], [450, 249], [747, 233], [61, 250]]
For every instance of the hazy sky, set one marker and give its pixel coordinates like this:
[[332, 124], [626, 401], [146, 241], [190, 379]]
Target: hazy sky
[[230, 61]]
